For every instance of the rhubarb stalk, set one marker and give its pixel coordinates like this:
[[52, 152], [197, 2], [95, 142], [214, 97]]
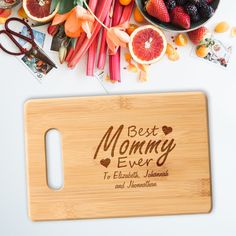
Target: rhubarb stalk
[[92, 57], [83, 35], [69, 54], [78, 44], [93, 48], [127, 12], [103, 45], [114, 60], [103, 9]]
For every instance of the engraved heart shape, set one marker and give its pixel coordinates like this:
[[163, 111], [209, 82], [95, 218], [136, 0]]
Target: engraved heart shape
[[166, 130], [105, 162]]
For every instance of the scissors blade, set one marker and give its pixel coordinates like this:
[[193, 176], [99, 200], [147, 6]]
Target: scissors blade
[[41, 55]]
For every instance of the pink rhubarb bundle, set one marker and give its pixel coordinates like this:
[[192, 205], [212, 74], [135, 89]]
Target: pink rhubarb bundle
[[98, 29]]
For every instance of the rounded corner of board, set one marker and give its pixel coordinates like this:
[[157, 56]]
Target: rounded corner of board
[[203, 96], [31, 216], [210, 206], [27, 104]]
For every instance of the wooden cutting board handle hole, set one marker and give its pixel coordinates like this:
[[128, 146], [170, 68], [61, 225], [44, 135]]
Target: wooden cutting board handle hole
[[54, 160]]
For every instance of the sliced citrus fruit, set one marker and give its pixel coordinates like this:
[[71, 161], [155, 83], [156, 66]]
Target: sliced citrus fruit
[[131, 29], [125, 2], [3, 20], [173, 56], [147, 44], [169, 49], [128, 57], [138, 15], [143, 73], [133, 68], [181, 40], [39, 10], [222, 27], [202, 51], [233, 32], [21, 13]]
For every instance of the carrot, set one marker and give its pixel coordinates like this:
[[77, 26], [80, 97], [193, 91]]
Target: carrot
[[103, 9]]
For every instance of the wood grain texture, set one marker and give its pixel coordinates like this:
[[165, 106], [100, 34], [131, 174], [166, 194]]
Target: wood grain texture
[[128, 155]]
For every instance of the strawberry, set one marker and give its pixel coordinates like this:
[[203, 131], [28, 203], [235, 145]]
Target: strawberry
[[180, 17], [209, 1], [198, 35], [158, 9]]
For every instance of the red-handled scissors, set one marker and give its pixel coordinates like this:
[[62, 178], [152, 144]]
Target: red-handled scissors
[[34, 50]]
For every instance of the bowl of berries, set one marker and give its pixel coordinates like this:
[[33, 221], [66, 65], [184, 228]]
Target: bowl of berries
[[178, 15]]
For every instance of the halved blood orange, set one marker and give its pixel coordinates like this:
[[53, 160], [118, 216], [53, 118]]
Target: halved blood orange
[[147, 44], [39, 10]]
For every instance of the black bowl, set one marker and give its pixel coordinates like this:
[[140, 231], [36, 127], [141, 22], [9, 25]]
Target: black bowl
[[168, 26]]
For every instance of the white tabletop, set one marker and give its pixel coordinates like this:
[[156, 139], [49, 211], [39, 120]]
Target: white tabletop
[[188, 74]]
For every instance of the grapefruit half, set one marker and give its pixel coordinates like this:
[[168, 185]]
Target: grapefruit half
[[147, 44], [39, 10]]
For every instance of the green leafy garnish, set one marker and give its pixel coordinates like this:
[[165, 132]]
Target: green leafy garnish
[[54, 4], [66, 6]]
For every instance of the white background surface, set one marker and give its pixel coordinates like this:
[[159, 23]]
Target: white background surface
[[189, 74]]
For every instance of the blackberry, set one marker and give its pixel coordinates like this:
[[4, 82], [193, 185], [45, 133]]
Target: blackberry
[[206, 11], [191, 9], [170, 4], [181, 2], [198, 3], [195, 18]]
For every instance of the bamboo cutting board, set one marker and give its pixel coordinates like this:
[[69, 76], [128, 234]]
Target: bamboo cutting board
[[128, 155]]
